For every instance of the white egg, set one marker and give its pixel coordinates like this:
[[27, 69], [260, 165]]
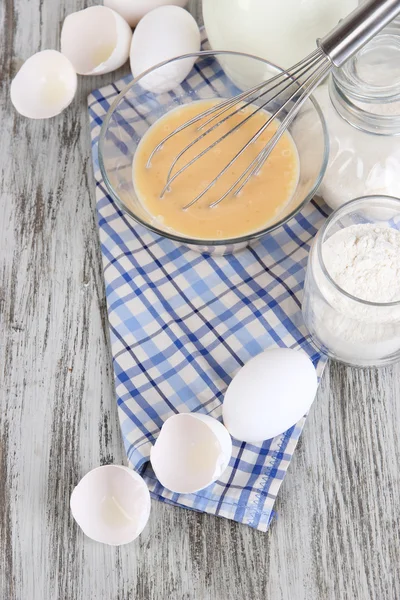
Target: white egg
[[96, 40], [111, 504], [164, 33], [134, 10], [44, 85], [273, 391], [191, 452]]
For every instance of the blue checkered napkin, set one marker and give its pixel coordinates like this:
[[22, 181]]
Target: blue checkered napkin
[[181, 326]]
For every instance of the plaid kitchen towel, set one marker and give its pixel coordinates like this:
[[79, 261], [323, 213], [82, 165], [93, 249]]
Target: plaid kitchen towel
[[182, 324]]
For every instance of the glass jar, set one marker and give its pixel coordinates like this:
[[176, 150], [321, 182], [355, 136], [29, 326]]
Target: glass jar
[[344, 327], [282, 32], [361, 105]]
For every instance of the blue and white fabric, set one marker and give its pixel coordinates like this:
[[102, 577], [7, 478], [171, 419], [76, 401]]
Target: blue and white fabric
[[182, 324]]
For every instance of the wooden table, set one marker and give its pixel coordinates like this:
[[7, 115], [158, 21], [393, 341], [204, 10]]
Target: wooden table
[[338, 532]]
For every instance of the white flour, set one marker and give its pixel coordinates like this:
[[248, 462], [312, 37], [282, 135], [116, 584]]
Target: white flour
[[364, 260]]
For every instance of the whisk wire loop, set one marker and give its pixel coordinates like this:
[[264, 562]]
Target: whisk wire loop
[[263, 155], [313, 58], [225, 105], [260, 159]]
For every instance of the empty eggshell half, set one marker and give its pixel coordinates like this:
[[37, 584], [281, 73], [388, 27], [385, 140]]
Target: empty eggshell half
[[191, 452], [96, 40], [162, 34], [111, 504], [270, 394], [44, 85], [133, 10]]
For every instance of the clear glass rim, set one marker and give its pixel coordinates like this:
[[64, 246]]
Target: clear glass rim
[[358, 117], [351, 97], [196, 241], [366, 92], [320, 239]]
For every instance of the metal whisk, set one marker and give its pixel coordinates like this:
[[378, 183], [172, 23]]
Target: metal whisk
[[293, 86]]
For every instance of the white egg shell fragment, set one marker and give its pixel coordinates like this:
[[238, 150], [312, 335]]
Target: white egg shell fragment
[[164, 33], [273, 391], [133, 10], [111, 504], [191, 452], [44, 85], [96, 40]]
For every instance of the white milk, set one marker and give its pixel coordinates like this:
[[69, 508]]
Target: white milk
[[281, 31]]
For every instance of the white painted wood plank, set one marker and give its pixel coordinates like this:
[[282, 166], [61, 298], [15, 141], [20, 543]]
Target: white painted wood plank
[[337, 536]]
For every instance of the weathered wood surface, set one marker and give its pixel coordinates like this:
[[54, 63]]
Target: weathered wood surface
[[338, 533]]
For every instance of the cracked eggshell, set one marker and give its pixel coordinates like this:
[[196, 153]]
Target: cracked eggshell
[[270, 394], [44, 85], [134, 10], [111, 505], [96, 40], [191, 452], [164, 33]]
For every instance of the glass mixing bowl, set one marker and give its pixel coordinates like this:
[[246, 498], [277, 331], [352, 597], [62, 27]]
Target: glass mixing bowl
[[214, 75]]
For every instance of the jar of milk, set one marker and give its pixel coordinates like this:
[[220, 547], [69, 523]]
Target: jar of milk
[[281, 31], [361, 106]]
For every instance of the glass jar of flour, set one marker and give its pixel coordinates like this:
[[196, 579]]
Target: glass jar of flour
[[351, 303], [361, 106]]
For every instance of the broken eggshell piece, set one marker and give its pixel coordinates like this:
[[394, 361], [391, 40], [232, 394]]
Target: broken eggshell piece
[[191, 452], [111, 505], [44, 85], [96, 40]]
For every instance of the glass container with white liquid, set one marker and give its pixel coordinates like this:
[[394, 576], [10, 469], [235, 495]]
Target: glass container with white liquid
[[282, 32], [361, 107]]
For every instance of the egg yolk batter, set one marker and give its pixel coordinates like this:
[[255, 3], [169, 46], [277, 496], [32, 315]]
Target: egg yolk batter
[[258, 204]]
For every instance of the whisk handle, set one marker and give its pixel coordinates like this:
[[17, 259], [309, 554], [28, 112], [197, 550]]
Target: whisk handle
[[357, 29]]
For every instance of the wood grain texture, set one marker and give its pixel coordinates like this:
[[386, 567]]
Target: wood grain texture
[[337, 536]]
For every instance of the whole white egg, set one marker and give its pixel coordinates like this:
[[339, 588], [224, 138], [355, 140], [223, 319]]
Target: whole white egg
[[134, 10], [273, 391], [164, 33]]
